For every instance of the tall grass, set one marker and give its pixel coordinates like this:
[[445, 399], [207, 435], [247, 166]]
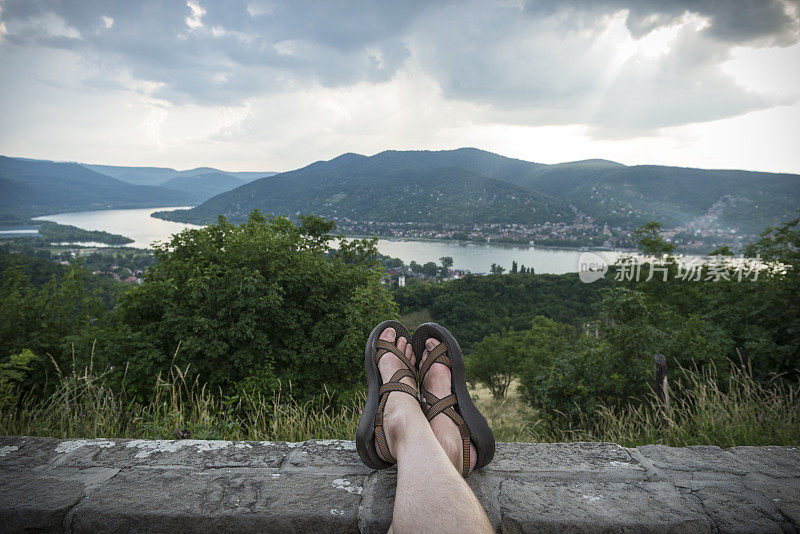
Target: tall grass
[[704, 411], [84, 405]]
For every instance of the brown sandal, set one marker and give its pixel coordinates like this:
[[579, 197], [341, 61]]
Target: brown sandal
[[458, 406], [370, 426]]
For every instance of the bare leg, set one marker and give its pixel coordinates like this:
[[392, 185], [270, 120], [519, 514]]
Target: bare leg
[[431, 495]]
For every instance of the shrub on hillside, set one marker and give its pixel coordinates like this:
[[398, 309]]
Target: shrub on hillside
[[616, 366], [251, 306], [498, 358]]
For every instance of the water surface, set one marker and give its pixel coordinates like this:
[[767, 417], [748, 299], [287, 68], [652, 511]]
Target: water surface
[[138, 225]]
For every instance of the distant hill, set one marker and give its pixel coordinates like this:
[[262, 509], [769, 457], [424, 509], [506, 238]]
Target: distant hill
[[389, 187], [204, 186], [135, 175], [474, 186], [201, 183], [29, 188], [159, 175]]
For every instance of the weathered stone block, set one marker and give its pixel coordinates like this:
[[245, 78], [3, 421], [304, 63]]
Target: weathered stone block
[[21, 451], [186, 453], [199, 486], [776, 462], [377, 503], [548, 459], [577, 506], [699, 458], [781, 493], [734, 509], [329, 455], [34, 500], [229, 500]]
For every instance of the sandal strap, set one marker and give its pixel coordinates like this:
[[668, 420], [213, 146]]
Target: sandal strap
[[438, 354], [434, 406], [395, 385], [390, 347], [392, 385]]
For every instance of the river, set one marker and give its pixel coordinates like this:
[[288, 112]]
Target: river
[[138, 225]]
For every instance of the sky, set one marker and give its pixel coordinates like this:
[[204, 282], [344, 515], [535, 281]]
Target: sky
[[267, 85]]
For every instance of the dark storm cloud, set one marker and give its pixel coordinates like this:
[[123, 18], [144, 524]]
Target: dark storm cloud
[[735, 21], [540, 62], [241, 49]]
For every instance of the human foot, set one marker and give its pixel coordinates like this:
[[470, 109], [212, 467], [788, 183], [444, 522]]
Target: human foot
[[438, 382], [394, 408]]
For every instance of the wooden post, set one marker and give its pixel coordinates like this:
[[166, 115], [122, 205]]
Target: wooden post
[[662, 388]]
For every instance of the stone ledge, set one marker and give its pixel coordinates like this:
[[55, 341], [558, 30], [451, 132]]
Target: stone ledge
[[123, 485]]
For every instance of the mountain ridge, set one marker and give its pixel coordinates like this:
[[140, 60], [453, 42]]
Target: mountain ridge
[[606, 191], [32, 188]]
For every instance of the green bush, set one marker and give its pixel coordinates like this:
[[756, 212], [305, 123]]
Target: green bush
[[45, 315], [12, 373], [616, 366], [498, 358], [250, 305]]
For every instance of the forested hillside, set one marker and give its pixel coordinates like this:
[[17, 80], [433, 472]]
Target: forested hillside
[[30, 188], [367, 189], [470, 186]]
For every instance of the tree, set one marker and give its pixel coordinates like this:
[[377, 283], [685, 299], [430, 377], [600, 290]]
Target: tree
[[722, 251], [45, 318], [12, 373], [496, 269], [495, 360], [500, 357], [259, 304], [648, 239], [514, 267], [429, 269], [447, 262], [776, 298]]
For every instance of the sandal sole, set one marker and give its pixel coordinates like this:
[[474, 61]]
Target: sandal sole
[[365, 435]]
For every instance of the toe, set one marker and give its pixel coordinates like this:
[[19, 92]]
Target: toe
[[388, 335], [405, 346], [410, 353], [430, 344]]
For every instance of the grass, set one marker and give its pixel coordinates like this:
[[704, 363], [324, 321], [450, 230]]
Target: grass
[[703, 412], [510, 418], [83, 405]]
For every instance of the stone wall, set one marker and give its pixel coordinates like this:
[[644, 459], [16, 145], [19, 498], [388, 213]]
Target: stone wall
[[123, 485]]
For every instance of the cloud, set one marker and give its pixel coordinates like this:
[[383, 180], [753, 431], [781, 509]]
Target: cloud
[[305, 78], [195, 19], [185, 46], [540, 65]]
